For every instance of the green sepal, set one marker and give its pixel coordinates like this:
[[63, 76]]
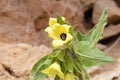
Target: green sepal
[[84, 74], [60, 20], [76, 77], [58, 54], [68, 64], [57, 78], [80, 72], [71, 30], [80, 37]]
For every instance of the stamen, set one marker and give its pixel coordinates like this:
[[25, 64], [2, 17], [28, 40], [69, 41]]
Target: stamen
[[63, 36]]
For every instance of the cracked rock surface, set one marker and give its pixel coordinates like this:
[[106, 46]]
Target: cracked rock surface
[[17, 60]]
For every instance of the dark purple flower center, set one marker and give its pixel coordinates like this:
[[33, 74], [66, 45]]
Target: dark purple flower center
[[63, 36]]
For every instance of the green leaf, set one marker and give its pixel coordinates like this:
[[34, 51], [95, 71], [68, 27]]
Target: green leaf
[[76, 68], [85, 75], [80, 37], [76, 77], [58, 54], [57, 78], [82, 71], [60, 20], [38, 67], [95, 34], [71, 30], [38, 76], [69, 62], [89, 55]]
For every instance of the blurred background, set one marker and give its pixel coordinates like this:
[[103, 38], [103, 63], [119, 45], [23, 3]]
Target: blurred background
[[23, 40]]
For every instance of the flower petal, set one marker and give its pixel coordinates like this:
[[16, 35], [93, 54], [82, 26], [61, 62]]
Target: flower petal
[[63, 18], [57, 43], [66, 27], [59, 29], [69, 38], [50, 32], [48, 29], [69, 76], [52, 21], [53, 70]]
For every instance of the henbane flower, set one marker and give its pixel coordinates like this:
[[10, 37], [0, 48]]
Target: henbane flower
[[59, 33], [54, 70]]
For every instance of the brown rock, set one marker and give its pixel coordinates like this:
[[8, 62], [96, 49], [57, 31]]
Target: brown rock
[[4, 75], [87, 4], [16, 24], [41, 10], [101, 46], [14, 29], [117, 2], [18, 59], [114, 50], [108, 72], [42, 38], [113, 11], [111, 31]]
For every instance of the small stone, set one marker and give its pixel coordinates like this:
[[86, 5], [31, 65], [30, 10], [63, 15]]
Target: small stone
[[113, 11]]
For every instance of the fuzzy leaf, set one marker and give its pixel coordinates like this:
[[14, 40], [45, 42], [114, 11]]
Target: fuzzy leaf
[[38, 67], [69, 63], [58, 54], [85, 75], [57, 77], [82, 71], [96, 33], [44, 63], [89, 55]]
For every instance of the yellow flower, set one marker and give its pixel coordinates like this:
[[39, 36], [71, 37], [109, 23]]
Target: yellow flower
[[53, 70], [59, 33], [69, 76]]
